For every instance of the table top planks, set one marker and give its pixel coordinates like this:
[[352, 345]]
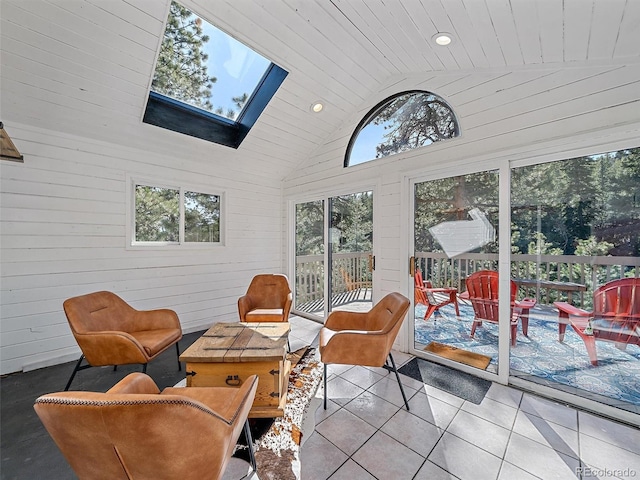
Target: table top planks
[[240, 342]]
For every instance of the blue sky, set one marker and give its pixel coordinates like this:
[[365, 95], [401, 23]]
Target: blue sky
[[237, 67]]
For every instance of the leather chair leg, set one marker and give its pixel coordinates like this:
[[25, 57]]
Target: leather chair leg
[[178, 353], [395, 370], [75, 370], [325, 386], [252, 453]]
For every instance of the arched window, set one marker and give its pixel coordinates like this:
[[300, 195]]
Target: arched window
[[402, 122]]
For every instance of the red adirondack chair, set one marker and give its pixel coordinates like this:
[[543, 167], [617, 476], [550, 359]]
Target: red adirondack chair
[[615, 316], [425, 294], [482, 287]]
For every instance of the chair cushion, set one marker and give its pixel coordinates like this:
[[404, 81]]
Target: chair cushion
[[155, 341], [265, 315]]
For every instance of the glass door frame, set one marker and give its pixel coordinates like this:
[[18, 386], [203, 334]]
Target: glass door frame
[[504, 260], [504, 238], [325, 196]]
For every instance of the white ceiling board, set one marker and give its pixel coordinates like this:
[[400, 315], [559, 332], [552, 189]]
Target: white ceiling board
[[83, 67]]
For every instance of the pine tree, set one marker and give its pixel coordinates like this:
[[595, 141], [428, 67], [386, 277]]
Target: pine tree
[[181, 72]]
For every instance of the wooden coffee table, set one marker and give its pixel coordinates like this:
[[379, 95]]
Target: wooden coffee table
[[228, 353]]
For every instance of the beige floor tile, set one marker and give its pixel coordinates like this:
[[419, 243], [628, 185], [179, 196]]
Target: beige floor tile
[[464, 460], [386, 458], [372, 409], [350, 470], [547, 433], [341, 391], [319, 458], [539, 460], [623, 436], [430, 471], [511, 472], [606, 456], [389, 389], [549, 410], [493, 411], [413, 432], [346, 431], [432, 410], [362, 377], [480, 432]]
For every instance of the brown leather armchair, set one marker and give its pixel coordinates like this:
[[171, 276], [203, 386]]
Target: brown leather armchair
[[268, 299], [135, 432], [357, 338], [111, 332]]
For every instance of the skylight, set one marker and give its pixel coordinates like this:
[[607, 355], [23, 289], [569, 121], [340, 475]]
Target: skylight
[[206, 83]]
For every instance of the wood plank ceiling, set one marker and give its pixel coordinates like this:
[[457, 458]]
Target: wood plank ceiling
[[84, 66]]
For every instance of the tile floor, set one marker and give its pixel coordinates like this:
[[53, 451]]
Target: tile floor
[[366, 433]]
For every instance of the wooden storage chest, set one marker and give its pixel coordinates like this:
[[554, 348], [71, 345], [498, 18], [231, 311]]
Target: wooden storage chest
[[228, 353]]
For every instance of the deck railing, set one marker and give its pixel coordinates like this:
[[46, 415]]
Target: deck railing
[[353, 271], [546, 269]]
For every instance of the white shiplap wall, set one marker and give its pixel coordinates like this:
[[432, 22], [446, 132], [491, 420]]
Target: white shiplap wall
[[63, 226], [524, 114]]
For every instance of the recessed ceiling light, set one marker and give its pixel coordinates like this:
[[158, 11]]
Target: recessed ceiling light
[[442, 39], [317, 107]]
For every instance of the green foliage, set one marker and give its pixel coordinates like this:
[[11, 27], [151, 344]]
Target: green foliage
[[412, 121], [450, 199], [181, 71], [592, 200], [310, 228], [352, 223], [157, 214], [201, 217]]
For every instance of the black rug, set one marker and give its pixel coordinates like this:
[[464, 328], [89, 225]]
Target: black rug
[[460, 384]]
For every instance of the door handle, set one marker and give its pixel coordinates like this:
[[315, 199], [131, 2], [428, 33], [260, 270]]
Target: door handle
[[412, 266], [372, 263]]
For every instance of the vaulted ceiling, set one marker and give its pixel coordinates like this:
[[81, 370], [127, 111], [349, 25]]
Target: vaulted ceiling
[[84, 66]]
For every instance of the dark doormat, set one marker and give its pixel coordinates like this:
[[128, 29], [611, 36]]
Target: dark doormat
[[460, 384]]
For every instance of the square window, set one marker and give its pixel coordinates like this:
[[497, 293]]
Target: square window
[[157, 214], [201, 217], [164, 215]]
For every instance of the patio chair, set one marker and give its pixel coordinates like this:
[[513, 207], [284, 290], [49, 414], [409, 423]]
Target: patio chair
[[482, 288], [615, 316], [268, 299], [111, 332], [134, 431], [364, 338], [433, 298]]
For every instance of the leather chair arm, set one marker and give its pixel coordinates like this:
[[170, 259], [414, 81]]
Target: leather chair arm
[[226, 403], [111, 348], [287, 307], [340, 320], [135, 383], [154, 320], [354, 347], [244, 306]]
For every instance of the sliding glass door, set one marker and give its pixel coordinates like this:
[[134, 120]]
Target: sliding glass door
[[567, 321], [334, 261], [455, 225], [576, 251]]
